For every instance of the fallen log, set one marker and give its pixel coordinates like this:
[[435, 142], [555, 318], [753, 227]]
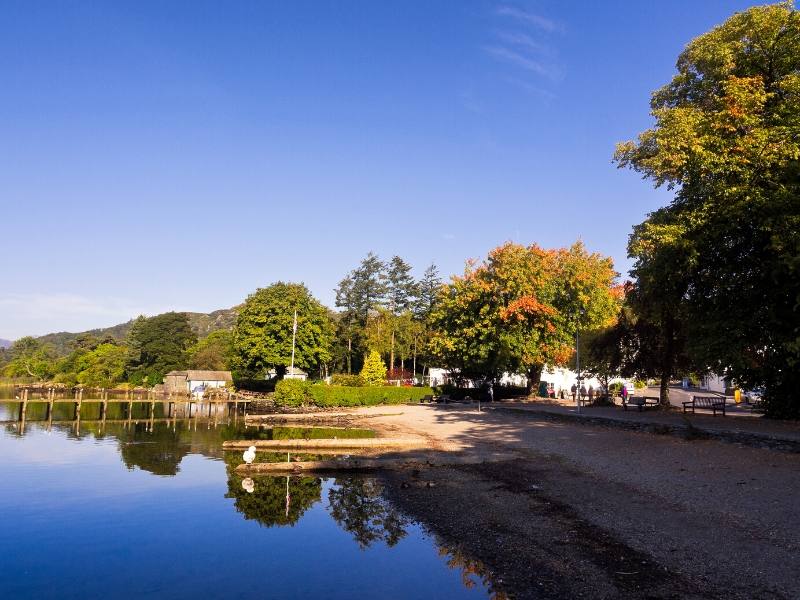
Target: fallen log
[[365, 464], [304, 444], [315, 417]]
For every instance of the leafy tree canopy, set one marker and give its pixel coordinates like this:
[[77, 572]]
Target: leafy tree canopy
[[519, 309], [262, 338], [158, 345], [722, 262]]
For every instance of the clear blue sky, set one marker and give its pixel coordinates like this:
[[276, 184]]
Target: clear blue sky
[[178, 155]]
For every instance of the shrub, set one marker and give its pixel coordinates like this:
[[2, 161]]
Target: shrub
[[347, 380], [334, 395], [374, 371], [291, 392], [639, 384]]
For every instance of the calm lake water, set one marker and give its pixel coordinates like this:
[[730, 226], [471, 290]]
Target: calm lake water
[[153, 509]]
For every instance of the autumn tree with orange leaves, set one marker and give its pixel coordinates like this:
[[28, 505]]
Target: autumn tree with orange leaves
[[519, 309]]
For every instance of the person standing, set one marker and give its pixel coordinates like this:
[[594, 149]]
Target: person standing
[[583, 392], [591, 393], [574, 390]]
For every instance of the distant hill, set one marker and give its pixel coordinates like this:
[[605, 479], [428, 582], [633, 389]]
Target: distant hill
[[201, 323], [5, 343]]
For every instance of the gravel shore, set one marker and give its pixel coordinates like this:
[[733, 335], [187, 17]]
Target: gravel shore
[[594, 512]]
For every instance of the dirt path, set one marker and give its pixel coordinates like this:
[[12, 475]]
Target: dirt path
[[595, 512]]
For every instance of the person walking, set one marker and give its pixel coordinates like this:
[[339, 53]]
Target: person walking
[[624, 393], [574, 389], [583, 392], [591, 393]]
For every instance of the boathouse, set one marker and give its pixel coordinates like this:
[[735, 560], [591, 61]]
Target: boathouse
[[193, 381]]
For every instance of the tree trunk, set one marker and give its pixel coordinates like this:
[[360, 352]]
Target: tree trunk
[[414, 361], [667, 360], [349, 352], [391, 354], [534, 377]]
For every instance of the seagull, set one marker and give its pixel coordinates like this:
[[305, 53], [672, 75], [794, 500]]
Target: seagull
[[249, 455]]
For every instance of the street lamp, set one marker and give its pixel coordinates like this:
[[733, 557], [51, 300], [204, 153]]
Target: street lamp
[[581, 312]]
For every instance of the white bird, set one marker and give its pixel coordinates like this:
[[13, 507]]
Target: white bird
[[249, 455], [248, 485]]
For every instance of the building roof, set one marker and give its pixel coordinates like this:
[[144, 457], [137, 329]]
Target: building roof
[[209, 375], [176, 374]]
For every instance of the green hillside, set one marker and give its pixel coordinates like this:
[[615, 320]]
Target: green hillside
[[202, 324]]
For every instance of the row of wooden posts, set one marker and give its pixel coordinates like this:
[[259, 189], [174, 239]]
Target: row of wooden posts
[[103, 399]]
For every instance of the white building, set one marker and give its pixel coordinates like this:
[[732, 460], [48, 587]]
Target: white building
[[714, 383], [559, 377], [291, 373]]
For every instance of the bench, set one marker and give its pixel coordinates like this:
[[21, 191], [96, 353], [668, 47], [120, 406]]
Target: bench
[[714, 403], [640, 402]]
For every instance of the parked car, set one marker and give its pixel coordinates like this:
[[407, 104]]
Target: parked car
[[754, 396]]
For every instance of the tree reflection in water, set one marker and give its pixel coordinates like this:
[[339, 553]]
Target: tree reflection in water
[[268, 502], [358, 507], [160, 451], [472, 571]]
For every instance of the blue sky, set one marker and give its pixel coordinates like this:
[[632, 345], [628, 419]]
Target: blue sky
[[178, 155]]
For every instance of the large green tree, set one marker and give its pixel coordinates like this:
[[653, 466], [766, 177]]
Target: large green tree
[[360, 292], [213, 352], [30, 357], [102, 366], [157, 345], [727, 139], [262, 338]]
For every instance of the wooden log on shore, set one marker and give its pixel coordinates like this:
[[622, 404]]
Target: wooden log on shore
[[314, 417], [366, 464], [303, 444], [345, 464]]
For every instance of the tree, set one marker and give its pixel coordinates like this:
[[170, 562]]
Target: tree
[[519, 310], [361, 291], [374, 371], [725, 138], [401, 294], [103, 366], [31, 358], [158, 345], [214, 352], [262, 338], [428, 289]]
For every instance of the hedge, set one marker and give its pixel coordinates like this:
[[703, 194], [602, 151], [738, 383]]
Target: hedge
[[291, 392], [334, 395]]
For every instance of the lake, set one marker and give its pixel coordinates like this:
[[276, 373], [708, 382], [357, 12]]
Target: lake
[[153, 509]]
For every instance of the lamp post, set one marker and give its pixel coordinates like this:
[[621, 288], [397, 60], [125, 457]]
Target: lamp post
[[578, 356]]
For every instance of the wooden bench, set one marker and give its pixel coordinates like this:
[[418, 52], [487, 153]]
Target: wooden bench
[[640, 402], [714, 403]]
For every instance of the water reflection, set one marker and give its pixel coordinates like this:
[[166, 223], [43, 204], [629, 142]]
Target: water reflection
[[358, 506], [273, 500], [348, 521]]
